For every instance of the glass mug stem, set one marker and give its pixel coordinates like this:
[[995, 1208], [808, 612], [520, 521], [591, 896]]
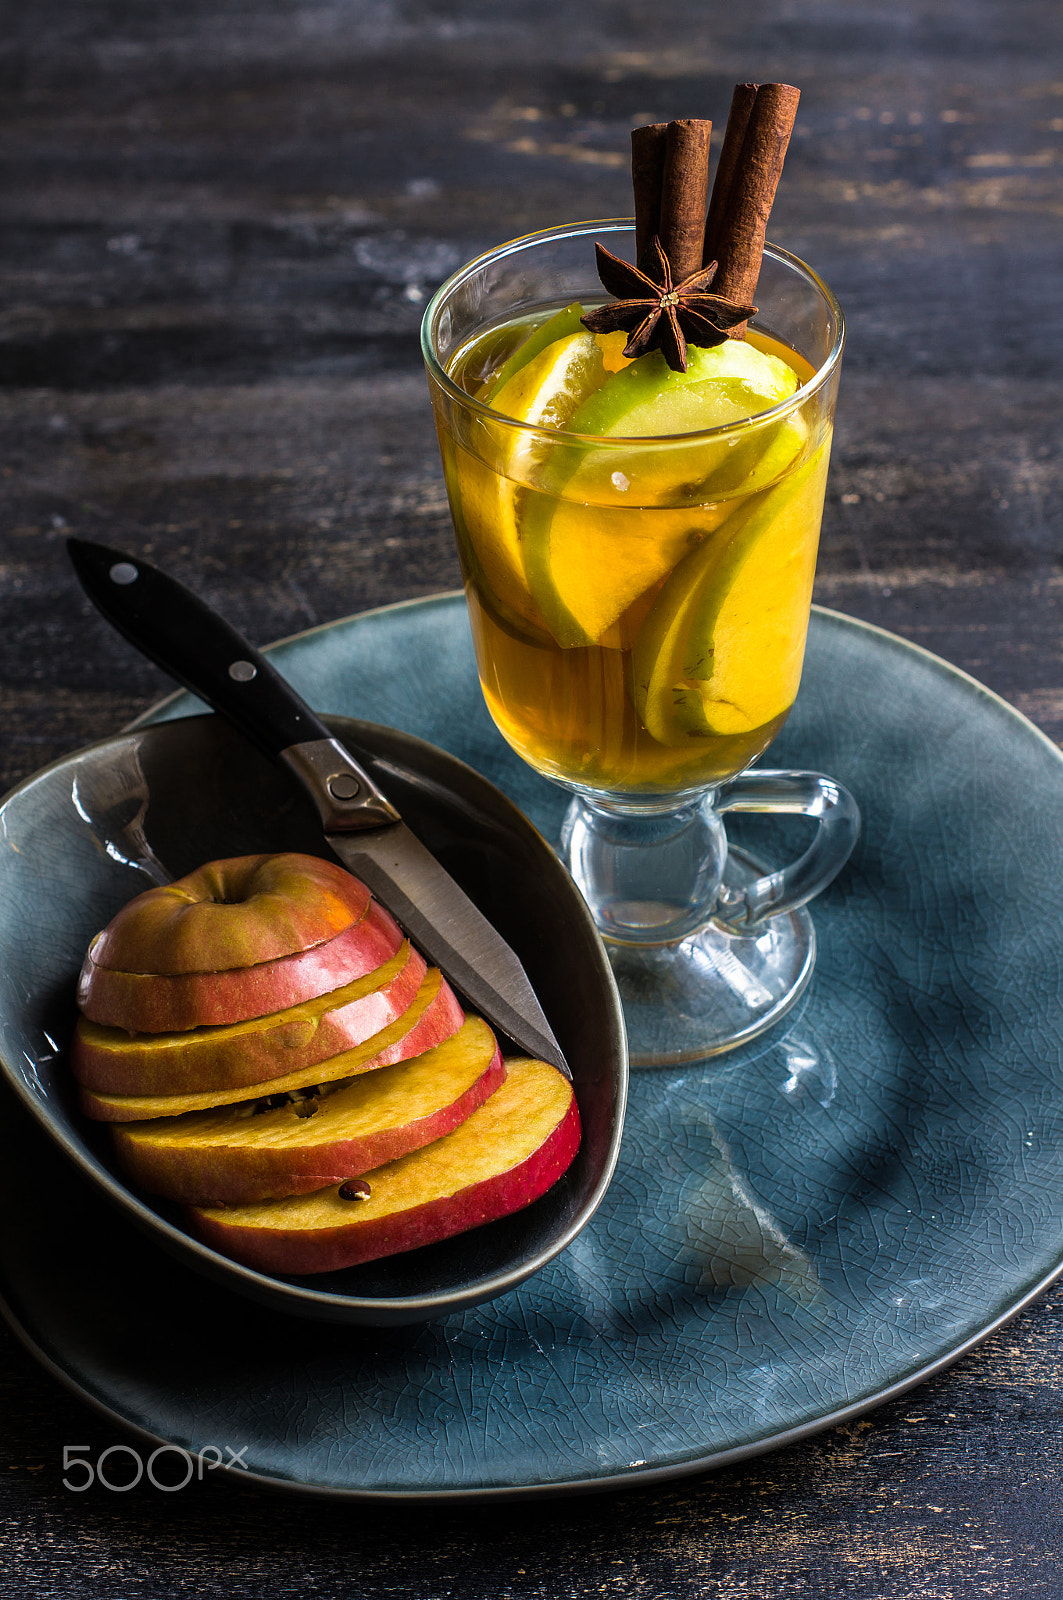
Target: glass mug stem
[[653, 877]]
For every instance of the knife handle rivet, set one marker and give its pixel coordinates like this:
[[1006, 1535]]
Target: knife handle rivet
[[243, 671], [123, 572], [343, 786]]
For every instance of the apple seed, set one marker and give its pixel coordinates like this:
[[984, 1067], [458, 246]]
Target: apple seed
[[354, 1189]]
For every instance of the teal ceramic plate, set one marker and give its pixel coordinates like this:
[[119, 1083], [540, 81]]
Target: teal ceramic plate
[[794, 1233]]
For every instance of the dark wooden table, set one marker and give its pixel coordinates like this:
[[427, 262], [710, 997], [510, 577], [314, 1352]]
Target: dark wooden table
[[222, 222]]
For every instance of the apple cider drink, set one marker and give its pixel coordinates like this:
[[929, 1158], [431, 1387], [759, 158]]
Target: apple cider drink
[[638, 545], [636, 485]]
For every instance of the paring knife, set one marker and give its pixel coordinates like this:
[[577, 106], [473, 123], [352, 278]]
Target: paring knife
[[183, 635]]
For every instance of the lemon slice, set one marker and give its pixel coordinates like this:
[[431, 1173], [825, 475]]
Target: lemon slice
[[547, 390], [544, 392], [588, 565], [556, 327]]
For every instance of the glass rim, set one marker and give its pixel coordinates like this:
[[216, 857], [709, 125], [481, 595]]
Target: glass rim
[[575, 230]]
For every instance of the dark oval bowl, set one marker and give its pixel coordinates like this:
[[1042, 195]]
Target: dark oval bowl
[[193, 790]]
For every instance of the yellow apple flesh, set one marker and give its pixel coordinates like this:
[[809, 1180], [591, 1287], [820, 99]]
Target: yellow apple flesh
[[244, 1054], [501, 1158], [432, 1016], [252, 1152]]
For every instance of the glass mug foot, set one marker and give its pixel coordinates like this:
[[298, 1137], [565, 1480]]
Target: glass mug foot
[[707, 949], [713, 990]]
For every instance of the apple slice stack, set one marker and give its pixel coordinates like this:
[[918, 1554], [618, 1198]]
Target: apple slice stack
[[273, 1054]]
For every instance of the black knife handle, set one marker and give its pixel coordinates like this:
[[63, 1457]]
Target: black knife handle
[[183, 635]]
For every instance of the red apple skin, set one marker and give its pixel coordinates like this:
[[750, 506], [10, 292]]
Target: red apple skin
[[234, 1175], [115, 1062], [239, 912], [300, 1252], [171, 1003], [441, 1016]]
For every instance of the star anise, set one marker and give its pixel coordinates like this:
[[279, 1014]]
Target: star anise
[[658, 314]]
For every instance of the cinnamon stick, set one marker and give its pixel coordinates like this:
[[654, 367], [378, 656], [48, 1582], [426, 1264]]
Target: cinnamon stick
[[684, 191], [670, 179], [647, 180], [730, 153], [737, 241]]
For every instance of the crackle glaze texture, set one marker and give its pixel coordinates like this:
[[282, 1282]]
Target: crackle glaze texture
[[793, 1231]]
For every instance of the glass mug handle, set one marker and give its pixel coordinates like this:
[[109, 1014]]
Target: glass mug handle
[[806, 794]]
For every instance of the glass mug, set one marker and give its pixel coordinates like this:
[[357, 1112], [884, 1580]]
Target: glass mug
[[639, 607]]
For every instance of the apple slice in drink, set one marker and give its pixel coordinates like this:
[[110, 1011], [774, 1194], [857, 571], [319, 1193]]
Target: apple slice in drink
[[244, 1054], [723, 383], [433, 1015], [503, 1157], [542, 390], [247, 1153], [721, 650], [622, 520]]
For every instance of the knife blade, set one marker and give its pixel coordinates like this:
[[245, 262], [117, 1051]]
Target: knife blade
[[177, 630]]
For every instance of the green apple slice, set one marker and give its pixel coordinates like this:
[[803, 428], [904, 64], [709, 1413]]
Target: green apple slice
[[729, 383], [721, 650], [725, 383], [615, 530]]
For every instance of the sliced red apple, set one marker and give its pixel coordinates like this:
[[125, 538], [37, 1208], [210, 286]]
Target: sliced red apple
[[504, 1156], [243, 1054], [432, 1016], [243, 1153], [234, 913], [167, 1002]]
